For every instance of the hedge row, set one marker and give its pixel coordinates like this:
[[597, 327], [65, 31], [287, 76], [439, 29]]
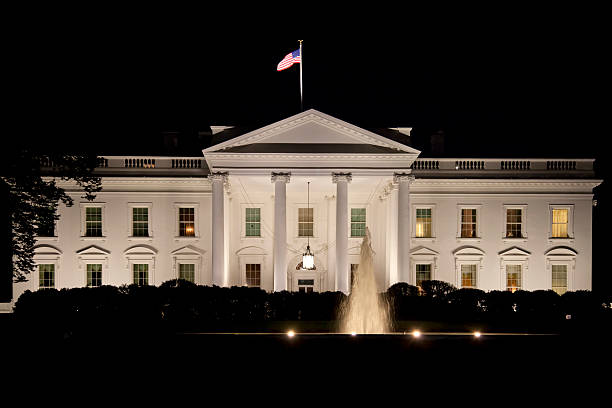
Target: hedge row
[[183, 306]]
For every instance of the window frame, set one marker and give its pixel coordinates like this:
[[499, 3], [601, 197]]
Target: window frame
[[243, 222], [350, 219], [130, 221], [420, 256], [83, 207], [478, 208], [87, 274], [189, 255], [416, 207], [468, 256], [561, 256], [47, 254], [523, 208], [196, 221], [570, 223], [514, 256]]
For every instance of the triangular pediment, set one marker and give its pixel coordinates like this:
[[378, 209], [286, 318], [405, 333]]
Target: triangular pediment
[[421, 250], [307, 130], [188, 250], [514, 251], [92, 250]]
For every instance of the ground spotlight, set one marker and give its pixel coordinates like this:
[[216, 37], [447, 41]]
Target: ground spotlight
[[353, 333], [290, 333], [477, 334], [416, 333]]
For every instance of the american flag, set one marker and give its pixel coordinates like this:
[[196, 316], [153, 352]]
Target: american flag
[[290, 59]]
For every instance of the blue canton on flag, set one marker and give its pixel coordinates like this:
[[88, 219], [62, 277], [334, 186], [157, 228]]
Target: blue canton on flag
[[290, 59]]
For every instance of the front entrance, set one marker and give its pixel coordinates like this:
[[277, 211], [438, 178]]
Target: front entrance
[[306, 285]]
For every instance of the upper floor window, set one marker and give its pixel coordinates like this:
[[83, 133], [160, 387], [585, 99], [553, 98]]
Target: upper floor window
[[358, 222], [140, 221], [305, 222], [423, 223], [46, 229], [93, 221], [46, 276], [186, 221], [560, 222], [253, 222], [514, 223], [468, 223]]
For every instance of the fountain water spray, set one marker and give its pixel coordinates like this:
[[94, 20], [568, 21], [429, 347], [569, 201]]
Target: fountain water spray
[[364, 311]]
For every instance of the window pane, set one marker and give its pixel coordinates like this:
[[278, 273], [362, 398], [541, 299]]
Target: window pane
[[559, 278], [468, 276], [305, 222], [187, 272], [253, 275], [423, 273], [514, 223], [253, 222], [94, 275], [93, 221], [358, 222], [140, 222], [468, 223], [513, 277], [423, 222], [187, 222], [559, 223], [141, 274], [46, 275]]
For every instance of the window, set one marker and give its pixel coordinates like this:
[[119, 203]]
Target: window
[[423, 223], [514, 223], [46, 229], [253, 222], [187, 272], [305, 285], [468, 223], [46, 276], [305, 222], [93, 221], [94, 275], [513, 277], [560, 221], [468, 275], [423, 273], [141, 274], [140, 221], [187, 222], [559, 278], [253, 275], [358, 222]]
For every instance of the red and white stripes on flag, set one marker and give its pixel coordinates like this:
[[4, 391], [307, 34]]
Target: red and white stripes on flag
[[290, 59]]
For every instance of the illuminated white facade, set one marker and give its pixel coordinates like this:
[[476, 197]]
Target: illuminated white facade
[[238, 215]]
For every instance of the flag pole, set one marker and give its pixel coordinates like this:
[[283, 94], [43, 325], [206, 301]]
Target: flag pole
[[301, 86]]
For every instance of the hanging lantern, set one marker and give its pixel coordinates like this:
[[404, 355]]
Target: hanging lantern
[[308, 256]]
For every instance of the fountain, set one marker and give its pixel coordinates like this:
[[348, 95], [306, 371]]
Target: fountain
[[364, 312]]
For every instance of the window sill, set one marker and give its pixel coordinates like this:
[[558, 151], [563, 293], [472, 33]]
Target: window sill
[[186, 238], [477, 239], [93, 238], [252, 239], [424, 239], [510, 240], [567, 240], [140, 238]]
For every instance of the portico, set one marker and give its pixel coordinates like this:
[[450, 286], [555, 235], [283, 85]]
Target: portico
[[347, 167]]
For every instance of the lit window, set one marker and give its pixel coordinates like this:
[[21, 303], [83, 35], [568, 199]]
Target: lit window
[[559, 278], [46, 276], [253, 275], [93, 221], [514, 223], [468, 275], [305, 222], [187, 222], [358, 222], [306, 285], [94, 275], [253, 222], [560, 220], [468, 223], [187, 272], [423, 223], [141, 274], [513, 277], [140, 222], [423, 273]]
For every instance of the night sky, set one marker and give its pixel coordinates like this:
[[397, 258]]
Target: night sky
[[533, 87]]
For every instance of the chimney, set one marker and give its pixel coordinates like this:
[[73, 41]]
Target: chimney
[[437, 143]]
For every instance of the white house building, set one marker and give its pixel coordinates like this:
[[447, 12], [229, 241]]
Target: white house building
[[244, 212]]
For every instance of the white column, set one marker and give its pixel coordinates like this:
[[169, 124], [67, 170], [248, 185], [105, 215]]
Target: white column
[[403, 226], [280, 181], [218, 229], [342, 267], [390, 194]]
